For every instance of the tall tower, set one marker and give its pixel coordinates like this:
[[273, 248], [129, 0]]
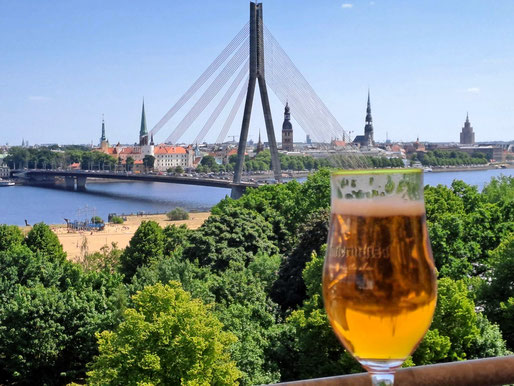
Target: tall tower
[[260, 145], [104, 144], [368, 128], [467, 136], [287, 130], [143, 131], [256, 74]]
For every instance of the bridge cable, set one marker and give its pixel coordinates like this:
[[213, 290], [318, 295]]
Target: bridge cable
[[220, 59], [285, 81], [319, 109], [307, 97], [233, 112], [211, 92], [223, 102]]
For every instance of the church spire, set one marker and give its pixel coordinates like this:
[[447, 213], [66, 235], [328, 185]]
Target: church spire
[[260, 145], [103, 138], [369, 119], [143, 131]]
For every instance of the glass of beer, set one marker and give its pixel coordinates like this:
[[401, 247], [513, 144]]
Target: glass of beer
[[379, 279]]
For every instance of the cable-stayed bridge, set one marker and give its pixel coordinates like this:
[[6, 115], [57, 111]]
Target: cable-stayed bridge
[[252, 56]]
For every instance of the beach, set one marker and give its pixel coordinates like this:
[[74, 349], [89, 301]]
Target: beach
[[76, 243]]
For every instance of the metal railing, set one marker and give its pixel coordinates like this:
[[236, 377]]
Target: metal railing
[[489, 371]]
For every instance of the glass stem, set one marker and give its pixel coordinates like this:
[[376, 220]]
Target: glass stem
[[382, 379]]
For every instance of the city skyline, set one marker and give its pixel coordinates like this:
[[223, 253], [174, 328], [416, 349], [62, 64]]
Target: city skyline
[[426, 65]]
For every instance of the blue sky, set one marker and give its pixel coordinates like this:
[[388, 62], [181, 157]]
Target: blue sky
[[65, 63]]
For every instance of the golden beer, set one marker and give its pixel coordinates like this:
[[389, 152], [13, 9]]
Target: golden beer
[[379, 280]]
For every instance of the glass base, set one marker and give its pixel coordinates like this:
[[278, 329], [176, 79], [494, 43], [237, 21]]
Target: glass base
[[381, 371]]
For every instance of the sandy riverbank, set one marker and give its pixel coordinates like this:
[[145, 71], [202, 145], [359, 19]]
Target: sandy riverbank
[[116, 233]]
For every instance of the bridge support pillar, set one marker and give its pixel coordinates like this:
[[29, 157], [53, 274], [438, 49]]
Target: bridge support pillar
[[237, 191], [69, 183], [81, 183]]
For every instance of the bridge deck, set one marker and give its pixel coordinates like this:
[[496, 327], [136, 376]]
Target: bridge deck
[[140, 177]]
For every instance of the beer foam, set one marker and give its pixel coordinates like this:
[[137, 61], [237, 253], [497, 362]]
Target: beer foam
[[378, 207]]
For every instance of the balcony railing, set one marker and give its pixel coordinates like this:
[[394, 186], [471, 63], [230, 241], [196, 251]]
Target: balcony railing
[[489, 371]]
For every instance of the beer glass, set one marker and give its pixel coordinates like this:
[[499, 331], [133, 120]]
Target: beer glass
[[379, 279]]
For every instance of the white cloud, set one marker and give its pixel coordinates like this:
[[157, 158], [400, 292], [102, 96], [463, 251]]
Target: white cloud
[[347, 5], [38, 98], [473, 90]]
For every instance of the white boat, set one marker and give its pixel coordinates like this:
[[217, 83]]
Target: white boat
[[6, 183], [427, 170]]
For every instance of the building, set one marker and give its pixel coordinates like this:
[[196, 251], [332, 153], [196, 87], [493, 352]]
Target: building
[[104, 143], [143, 131], [467, 136], [367, 138], [166, 156], [287, 131], [4, 172], [260, 145]]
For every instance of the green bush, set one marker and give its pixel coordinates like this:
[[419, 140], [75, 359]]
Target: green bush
[[97, 220], [117, 220], [178, 214]]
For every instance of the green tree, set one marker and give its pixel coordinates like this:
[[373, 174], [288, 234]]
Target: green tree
[[458, 332], [177, 214], [179, 170], [149, 161], [129, 162], [42, 239], [167, 338], [237, 235], [49, 313], [208, 161], [307, 347], [175, 237], [146, 245], [10, 236], [497, 292], [289, 289]]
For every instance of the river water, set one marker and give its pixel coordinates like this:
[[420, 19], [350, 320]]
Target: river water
[[34, 204]]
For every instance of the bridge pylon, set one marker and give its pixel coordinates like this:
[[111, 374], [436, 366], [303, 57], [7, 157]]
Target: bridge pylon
[[256, 74]]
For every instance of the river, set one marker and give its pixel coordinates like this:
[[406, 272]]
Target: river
[[34, 204]]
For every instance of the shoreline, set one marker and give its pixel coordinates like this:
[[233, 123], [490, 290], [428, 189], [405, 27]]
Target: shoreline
[[78, 243], [468, 168]]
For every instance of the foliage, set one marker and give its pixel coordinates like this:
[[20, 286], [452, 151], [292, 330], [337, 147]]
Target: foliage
[[240, 302], [167, 338], [129, 163], [49, 312], [458, 332], [10, 236], [117, 220], [308, 348], [289, 289], [106, 260], [42, 239], [208, 161], [179, 170], [497, 292], [149, 161], [146, 245], [175, 238], [97, 220], [463, 226], [177, 214], [237, 235], [451, 158]]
